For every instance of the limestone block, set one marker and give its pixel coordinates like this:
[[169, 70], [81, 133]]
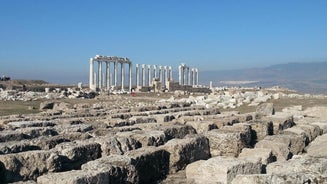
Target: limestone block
[[28, 165], [265, 155], [74, 177], [7, 135], [299, 164], [227, 142], [187, 150], [66, 128], [33, 132], [220, 170], [117, 144], [146, 138], [46, 105], [261, 129], [78, 153], [226, 121], [313, 130], [24, 124], [178, 131], [151, 163], [265, 109], [202, 126], [318, 148], [281, 121], [280, 149], [120, 168], [279, 178], [62, 106], [16, 147], [322, 125]]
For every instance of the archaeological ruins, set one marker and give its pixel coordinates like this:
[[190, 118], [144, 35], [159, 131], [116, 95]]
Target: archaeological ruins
[[234, 135]]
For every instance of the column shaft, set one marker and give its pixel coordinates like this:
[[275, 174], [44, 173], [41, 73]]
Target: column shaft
[[100, 74], [91, 79], [130, 77], [122, 76], [115, 73], [137, 75]]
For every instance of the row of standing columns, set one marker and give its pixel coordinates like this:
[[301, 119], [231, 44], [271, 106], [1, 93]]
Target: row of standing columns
[[103, 81], [165, 74], [187, 76]]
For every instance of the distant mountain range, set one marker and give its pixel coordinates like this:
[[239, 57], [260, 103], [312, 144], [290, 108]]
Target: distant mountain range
[[303, 77]]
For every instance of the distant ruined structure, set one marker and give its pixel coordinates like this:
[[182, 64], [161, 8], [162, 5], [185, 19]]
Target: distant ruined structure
[[99, 80], [148, 77]]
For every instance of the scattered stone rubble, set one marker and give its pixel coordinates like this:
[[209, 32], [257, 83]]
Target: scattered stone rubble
[[169, 141], [71, 93]]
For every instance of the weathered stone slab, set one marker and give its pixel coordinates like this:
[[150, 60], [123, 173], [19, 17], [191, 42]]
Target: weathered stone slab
[[178, 131], [117, 144], [24, 124], [230, 140], [261, 129], [202, 126], [33, 132], [281, 121], [318, 148], [16, 147], [279, 178], [120, 168], [265, 155], [146, 138], [75, 177], [279, 147], [151, 163], [220, 170], [28, 165], [187, 150], [8, 135], [78, 153], [299, 164], [265, 109]]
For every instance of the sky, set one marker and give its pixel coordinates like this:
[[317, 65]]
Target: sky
[[53, 40]]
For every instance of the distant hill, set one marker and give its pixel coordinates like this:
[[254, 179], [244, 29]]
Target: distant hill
[[303, 77]]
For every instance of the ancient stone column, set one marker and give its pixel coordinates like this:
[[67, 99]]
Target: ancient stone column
[[166, 74], [160, 74], [170, 73], [155, 71], [188, 76], [91, 79], [180, 75], [137, 75], [100, 74], [193, 76], [130, 77], [122, 75], [108, 75], [143, 74], [197, 76], [149, 75], [115, 72]]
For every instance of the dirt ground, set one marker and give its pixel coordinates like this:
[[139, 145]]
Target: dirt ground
[[28, 107]]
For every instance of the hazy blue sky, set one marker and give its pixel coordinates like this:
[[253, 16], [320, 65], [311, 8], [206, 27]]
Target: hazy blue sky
[[56, 37]]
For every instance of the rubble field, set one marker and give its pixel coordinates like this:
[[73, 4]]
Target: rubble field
[[229, 136]]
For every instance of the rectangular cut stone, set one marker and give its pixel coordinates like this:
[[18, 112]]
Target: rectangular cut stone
[[151, 163], [78, 153], [74, 177], [220, 170], [28, 165], [187, 150], [229, 141], [202, 126]]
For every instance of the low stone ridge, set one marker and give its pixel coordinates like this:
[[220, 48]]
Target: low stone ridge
[[183, 139]]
